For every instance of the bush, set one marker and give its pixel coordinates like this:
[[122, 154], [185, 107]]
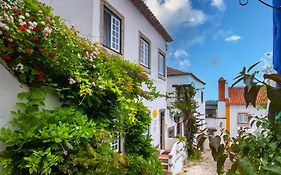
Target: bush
[[100, 97]]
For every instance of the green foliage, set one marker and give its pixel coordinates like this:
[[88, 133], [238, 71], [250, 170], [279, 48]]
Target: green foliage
[[185, 107], [100, 95], [259, 153]]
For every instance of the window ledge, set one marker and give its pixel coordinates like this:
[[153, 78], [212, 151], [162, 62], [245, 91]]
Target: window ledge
[[110, 51], [243, 124], [162, 77], [146, 70]]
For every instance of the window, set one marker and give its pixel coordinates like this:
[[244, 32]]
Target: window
[[171, 132], [115, 144], [211, 113], [162, 65], [202, 97], [144, 52], [243, 118], [112, 30]]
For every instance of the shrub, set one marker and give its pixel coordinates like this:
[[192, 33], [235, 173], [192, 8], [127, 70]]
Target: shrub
[[100, 96]]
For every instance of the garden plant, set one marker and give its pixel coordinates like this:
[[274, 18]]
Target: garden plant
[[100, 98], [253, 153], [184, 108]]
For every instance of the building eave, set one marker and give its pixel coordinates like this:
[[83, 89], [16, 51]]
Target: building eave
[[181, 73], [146, 12]]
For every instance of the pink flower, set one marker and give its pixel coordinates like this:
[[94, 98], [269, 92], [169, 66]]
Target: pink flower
[[47, 31], [71, 81]]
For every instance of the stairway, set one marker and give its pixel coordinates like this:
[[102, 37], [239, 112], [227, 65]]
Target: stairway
[[164, 158]]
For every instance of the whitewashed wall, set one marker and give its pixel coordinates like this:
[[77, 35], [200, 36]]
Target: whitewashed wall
[[9, 89], [85, 16], [235, 109]]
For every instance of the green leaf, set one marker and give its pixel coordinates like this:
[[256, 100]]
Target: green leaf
[[273, 169], [220, 164], [245, 167], [233, 168], [235, 148], [274, 77], [243, 71], [240, 79], [251, 96], [254, 65]]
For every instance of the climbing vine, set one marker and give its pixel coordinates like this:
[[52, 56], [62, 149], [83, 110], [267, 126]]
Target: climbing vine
[[100, 96]]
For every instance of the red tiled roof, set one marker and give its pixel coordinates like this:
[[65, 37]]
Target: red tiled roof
[[236, 96], [175, 72], [142, 7]]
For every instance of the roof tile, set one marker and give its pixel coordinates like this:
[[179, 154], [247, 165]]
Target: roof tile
[[236, 96]]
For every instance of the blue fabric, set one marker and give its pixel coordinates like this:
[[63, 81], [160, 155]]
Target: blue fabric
[[277, 36]]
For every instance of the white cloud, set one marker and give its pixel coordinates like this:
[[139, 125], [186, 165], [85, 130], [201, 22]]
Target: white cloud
[[173, 13], [185, 63], [226, 35], [180, 53], [233, 38], [219, 4]]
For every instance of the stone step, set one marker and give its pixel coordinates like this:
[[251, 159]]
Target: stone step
[[163, 159], [167, 173], [165, 166]]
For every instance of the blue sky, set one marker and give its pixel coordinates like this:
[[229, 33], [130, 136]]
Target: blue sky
[[215, 38]]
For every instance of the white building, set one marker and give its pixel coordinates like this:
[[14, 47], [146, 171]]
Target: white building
[[232, 113], [177, 78], [129, 29]]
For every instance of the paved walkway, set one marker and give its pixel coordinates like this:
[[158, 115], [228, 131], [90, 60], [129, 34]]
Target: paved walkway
[[206, 166]]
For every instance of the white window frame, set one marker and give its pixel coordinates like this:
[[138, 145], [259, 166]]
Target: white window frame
[[144, 52], [245, 119], [115, 34], [115, 30], [115, 144], [162, 68]]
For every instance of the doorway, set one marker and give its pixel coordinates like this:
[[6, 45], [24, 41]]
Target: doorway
[[162, 129]]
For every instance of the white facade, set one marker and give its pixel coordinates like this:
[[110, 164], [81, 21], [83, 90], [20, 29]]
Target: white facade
[[87, 17], [234, 124], [219, 123], [232, 113]]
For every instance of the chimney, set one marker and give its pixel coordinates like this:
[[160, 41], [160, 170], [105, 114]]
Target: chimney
[[222, 82]]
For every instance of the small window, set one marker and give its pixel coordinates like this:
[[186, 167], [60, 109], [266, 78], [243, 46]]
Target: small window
[[144, 53], [115, 144], [171, 132], [243, 118], [162, 65], [202, 97], [112, 30]]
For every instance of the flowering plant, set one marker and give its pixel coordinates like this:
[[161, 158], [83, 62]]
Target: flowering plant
[[41, 51]]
